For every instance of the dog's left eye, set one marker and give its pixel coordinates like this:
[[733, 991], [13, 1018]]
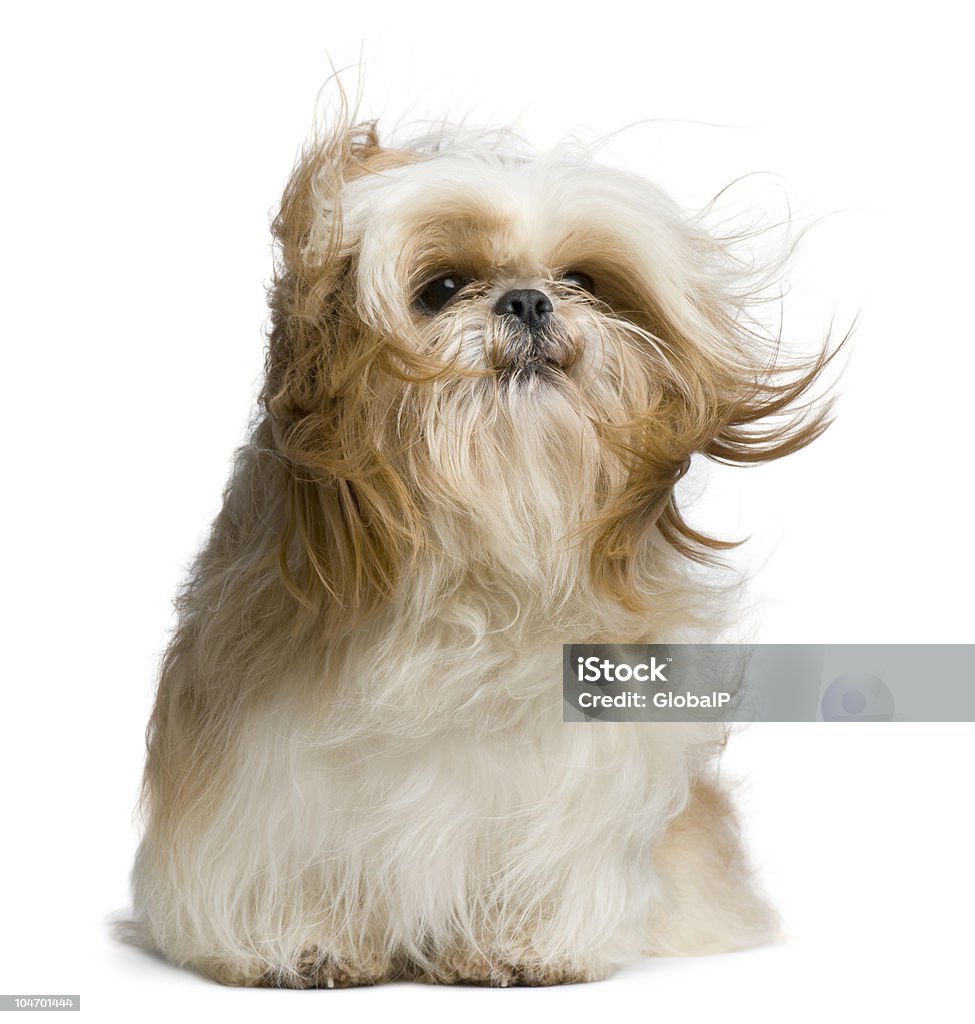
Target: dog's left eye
[[579, 280], [440, 292]]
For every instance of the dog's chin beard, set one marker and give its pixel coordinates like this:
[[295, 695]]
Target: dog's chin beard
[[532, 359], [536, 370]]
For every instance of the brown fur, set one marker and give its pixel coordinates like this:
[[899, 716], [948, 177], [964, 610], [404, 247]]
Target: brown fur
[[328, 510]]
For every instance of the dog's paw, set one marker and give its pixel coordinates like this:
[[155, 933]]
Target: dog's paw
[[315, 969], [476, 968], [540, 975]]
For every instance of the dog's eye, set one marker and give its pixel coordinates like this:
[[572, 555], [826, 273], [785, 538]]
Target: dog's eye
[[578, 280], [440, 292]]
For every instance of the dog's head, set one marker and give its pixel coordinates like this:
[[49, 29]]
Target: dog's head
[[484, 350]]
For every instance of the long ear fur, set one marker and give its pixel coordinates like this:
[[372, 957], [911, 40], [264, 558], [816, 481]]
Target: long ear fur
[[351, 520], [727, 394]]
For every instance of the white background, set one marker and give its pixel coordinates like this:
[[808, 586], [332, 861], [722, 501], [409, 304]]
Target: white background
[[144, 150]]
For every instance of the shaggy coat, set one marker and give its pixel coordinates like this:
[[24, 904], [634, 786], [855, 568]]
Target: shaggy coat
[[357, 767]]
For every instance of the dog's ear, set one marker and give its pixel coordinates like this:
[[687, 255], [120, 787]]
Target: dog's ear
[[350, 519], [725, 391], [313, 267]]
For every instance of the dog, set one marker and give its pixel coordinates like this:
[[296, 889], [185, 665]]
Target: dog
[[487, 370]]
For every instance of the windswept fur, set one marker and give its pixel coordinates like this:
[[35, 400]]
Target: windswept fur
[[356, 765]]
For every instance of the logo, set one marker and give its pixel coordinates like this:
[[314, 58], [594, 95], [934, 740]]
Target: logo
[[602, 670], [858, 697]]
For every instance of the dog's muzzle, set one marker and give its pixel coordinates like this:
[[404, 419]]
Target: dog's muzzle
[[527, 305], [529, 340]]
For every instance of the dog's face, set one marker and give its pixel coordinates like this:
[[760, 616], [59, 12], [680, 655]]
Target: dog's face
[[537, 272], [540, 279], [522, 344]]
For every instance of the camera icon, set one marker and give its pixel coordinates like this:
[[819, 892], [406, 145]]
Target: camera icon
[[859, 697]]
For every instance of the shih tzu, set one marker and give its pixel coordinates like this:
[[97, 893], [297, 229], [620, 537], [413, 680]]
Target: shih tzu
[[487, 370]]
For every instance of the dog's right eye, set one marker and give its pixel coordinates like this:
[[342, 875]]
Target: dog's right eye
[[440, 292]]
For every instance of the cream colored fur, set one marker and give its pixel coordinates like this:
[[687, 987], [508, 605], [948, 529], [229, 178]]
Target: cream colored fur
[[358, 768]]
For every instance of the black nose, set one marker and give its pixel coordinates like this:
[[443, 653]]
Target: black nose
[[531, 306]]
